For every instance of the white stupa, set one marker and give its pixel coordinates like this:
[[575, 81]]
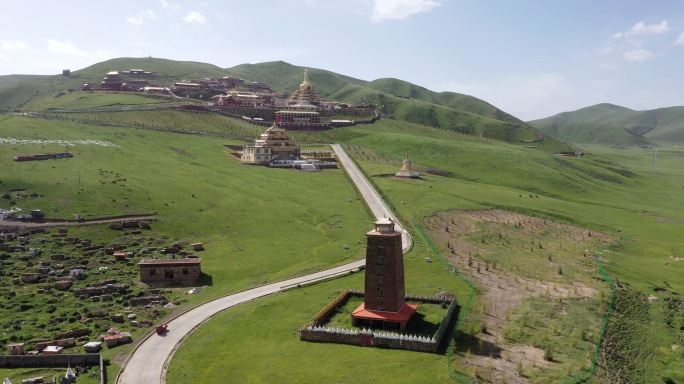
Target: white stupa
[[70, 375]]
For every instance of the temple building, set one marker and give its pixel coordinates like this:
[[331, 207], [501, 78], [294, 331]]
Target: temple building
[[272, 145], [306, 97], [406, 171], [384, 302], [113, 81], [300, 120], [237, 99]]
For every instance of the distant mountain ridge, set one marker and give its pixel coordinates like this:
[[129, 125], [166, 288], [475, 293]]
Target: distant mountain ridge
[[610, 124], [395, 98]]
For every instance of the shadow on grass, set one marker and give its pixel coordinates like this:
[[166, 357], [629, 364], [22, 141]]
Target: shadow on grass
[[468, 343], [205, 279], [418, 326]]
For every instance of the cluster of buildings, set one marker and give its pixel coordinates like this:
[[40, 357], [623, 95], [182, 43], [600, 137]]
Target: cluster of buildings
[[300, 112], [227, 91]]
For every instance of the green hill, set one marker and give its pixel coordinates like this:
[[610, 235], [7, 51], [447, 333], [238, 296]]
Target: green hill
[[398, 99], [177, 164], [609, 124], [37, 93], [395, 98], [9, 80]]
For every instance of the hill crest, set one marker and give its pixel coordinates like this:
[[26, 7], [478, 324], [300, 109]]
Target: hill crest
[[611, 124]]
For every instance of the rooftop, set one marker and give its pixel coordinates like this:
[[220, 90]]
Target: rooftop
[[194, 260], [398, 317]]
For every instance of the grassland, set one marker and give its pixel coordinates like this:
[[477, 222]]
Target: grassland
[[261, 225], [609, 190], [609, 124]]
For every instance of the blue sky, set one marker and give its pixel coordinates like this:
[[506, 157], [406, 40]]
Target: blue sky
[[531, 58]]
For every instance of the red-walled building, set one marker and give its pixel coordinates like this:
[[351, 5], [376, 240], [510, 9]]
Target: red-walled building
[[300, 120]]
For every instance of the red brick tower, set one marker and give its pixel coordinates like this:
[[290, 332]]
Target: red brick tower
[[385, 296]]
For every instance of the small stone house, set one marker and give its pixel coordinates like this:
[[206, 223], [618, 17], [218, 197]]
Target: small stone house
[[16, 349], [160, 272]]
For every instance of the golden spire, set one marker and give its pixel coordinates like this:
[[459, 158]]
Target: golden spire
[[305, 85], [406, 164]]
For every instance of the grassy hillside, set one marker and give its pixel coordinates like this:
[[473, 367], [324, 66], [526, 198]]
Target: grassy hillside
[[396, 98], [176, 164], [31, 94], [614, 125], [164, 70], [399, 99], [8, 80], [285, 77]]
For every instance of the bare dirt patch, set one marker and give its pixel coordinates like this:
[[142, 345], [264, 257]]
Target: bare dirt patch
[[513, 257]]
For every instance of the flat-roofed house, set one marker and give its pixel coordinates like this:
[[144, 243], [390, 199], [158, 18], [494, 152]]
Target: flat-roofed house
[[168, 272]]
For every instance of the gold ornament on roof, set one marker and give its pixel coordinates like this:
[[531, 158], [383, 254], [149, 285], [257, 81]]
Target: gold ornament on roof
[[305, 86]]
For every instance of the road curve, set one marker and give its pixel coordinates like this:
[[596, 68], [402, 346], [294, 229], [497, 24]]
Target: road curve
[[148, 363]]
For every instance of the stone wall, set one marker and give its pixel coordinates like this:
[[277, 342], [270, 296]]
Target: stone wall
[[24, 361], [372, 338], [65, 361], [64, 343], [73, 333], [137, 301], [99, 290]]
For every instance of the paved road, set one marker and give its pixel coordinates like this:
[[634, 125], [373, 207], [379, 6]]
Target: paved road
[[148, 363]]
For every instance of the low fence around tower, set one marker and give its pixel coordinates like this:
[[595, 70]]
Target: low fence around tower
[[316, 331]]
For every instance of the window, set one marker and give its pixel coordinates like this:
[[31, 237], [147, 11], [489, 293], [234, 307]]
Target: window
[[168, 274], [380, 278], [380, 290], [185, 271], [381, 269], [153, 272]]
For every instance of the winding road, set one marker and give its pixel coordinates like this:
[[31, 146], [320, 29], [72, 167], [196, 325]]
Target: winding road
[[148, 363]]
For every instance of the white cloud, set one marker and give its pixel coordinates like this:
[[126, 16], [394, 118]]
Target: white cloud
[[400, 9], [135, 20], [194, 18], [64, 48], [139, 19], [639, 55], [641, 28], [680, 39], [10, 46]]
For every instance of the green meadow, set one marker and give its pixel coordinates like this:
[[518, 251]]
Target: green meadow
[[261, 225]]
